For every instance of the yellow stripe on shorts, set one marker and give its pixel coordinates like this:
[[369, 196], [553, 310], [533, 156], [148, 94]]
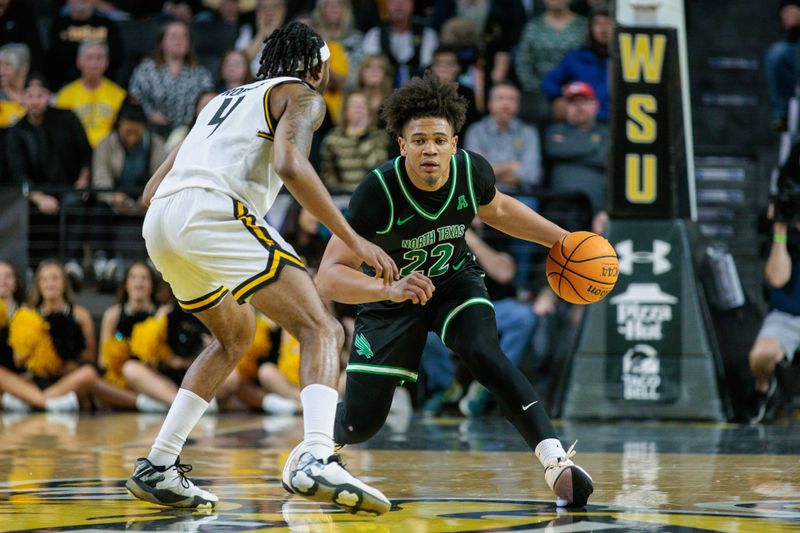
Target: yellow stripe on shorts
[[278, 255], [204, 302]]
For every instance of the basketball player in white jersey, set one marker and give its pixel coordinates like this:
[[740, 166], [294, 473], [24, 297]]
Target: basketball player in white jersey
[[206, 234]]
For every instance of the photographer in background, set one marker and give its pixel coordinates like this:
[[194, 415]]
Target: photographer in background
[[779, 337]]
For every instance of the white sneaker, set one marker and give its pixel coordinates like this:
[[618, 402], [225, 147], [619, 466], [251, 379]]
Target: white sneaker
[[147, 404], [13, 404], [274, 404], [167, 485], [326, 480], [66, 403], [571, 484]]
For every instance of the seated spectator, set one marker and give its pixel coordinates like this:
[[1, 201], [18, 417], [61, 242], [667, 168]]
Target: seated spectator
[[53, 343], [334, 93], [52, 158], [162, 349], [81, 22], [126, 159], [12, 297], [334, 21], [168, 84], [267, 376], [511, 146], [578, 151], [233, 71], [270, 15], [18, 25], [14, 63], [374, 80], [501, 35], [779, 338], [93, 97], [135, 303], [461, 35], [544, 42], [589, 64], [177, 135], [447, 68], [780, 63], [407, 44], [351, 150]]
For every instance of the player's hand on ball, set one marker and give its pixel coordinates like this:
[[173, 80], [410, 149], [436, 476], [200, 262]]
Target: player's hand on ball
[[375, 257], [582, 267], [415, 287]]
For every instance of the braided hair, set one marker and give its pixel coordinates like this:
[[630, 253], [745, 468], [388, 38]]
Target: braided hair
[[289, 50], [421, 98]]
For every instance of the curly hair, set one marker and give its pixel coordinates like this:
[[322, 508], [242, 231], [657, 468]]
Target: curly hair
[[424, 97], [294, 48]]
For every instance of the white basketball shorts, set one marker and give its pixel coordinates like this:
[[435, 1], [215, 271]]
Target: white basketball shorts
[[206, 244]]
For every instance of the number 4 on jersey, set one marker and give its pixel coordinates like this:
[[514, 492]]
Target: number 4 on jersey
[[220, 116]]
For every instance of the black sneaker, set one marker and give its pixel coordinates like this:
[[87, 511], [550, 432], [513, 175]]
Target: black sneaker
[[769, 404], [167, 485]]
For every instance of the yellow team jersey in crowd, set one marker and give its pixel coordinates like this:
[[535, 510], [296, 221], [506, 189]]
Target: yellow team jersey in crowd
[[10, 113], [339, 66], [96, 109]]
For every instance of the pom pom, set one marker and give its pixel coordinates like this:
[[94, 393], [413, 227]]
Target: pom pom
[[149, 341], [29, 337], [113, 354]]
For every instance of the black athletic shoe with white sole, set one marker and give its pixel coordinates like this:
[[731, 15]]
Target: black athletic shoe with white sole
[[167, 485]]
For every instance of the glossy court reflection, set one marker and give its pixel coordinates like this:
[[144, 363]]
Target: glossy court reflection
[[67, 473]]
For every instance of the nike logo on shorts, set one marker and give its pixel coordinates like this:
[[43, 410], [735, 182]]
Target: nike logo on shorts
[[526, 407]]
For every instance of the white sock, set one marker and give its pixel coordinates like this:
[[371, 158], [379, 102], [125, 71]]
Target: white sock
[[276, 404], [146, 404], [549, 449], [319, 415], [186, 410]]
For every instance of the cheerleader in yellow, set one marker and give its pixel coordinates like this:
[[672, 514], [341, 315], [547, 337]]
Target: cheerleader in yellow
[[53, 345], [12, 295], [163, 348], [135, 304]]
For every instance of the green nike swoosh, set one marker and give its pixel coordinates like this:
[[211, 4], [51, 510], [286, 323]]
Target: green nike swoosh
[[401, 221], [459, 264]]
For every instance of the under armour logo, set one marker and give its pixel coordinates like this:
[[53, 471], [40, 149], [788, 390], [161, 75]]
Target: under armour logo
[[627, 257]]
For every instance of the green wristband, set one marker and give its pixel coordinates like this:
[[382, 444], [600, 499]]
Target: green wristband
[[780, 238]]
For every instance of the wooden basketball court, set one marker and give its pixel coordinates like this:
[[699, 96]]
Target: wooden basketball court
[[63, 472]]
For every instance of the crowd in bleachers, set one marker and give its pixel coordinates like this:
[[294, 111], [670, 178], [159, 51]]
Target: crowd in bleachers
[[95, 93]]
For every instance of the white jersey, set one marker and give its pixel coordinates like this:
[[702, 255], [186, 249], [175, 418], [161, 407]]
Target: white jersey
[[230, 149]]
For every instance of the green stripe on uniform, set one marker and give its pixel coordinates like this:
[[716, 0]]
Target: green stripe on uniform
[[382, 370], [468, 161], [382, 181], [454, 312]]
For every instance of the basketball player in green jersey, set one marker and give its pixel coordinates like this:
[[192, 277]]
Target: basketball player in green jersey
[[417, 207]]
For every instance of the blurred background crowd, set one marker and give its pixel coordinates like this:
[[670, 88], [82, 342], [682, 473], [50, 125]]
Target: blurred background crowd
[[95, 93]]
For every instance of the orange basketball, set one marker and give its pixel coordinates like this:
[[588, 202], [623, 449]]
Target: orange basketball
[[582, 267]]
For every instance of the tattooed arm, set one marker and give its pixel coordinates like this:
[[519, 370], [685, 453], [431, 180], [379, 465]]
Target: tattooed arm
[[303, 112]]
